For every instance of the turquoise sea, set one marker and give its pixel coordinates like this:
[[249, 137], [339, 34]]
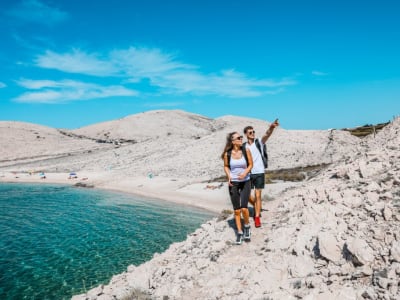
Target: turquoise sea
[[57, 241]]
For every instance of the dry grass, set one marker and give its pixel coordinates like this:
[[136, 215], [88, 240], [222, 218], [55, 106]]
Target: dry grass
[[366, 129], [291, 174], [225, 214]]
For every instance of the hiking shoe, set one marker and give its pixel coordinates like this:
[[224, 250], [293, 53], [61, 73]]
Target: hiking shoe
[[239, 238], [247, 232], [257, 222]]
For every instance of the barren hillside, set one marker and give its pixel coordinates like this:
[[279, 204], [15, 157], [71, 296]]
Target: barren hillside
[[165, 143]]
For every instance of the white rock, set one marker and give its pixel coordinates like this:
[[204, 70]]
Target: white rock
[[105, 297], [94, 293], [387, 213], [378, 233], [372, 197], [361, 251], [374, 187], [301, 266], [329, 247], [367, 170], [79, 297], [395, 251], [334, 196], [202, 263], [345, 293]]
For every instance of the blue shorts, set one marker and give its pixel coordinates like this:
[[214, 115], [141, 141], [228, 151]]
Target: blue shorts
[[257, 181], [240, 193]]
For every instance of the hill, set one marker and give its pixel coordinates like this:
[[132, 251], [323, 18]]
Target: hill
[[164, 143], [335, 236]]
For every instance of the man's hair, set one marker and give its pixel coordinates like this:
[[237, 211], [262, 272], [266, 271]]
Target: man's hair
[[247, 128]]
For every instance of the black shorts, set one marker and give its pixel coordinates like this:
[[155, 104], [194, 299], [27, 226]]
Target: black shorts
[[257, 181], [240, 193]]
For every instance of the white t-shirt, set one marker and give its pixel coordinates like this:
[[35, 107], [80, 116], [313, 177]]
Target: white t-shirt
[[258, 165]]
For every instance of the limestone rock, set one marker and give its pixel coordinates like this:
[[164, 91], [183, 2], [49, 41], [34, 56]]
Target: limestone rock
[[387, 213], [362, 254], [395, 251], [300, 267], [329, 247]]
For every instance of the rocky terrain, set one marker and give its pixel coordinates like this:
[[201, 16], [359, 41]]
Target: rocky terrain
[[337, 236], [333, 236]]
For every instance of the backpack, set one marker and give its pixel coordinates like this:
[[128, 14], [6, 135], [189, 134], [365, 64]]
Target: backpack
[[264, 154], [229, 153]]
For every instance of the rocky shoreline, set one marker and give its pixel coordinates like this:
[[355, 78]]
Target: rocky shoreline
[[332, 235], [337, 236]]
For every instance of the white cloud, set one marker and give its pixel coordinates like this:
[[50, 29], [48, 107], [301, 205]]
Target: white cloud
[[161, 70], [2, 85], [228, 83], [77, 62], [145, 62], [38, 84], [319, 73], [37, 12], [49, 91]]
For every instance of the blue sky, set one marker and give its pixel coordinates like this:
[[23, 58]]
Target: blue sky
[[312, 64]]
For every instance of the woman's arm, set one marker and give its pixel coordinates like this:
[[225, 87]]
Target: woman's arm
[[250, 158], [226, 168]]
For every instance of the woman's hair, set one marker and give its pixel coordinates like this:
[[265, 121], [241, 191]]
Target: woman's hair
[[228, 145]]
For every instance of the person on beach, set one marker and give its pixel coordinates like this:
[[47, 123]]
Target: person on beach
[[257, 176], [237, 165]]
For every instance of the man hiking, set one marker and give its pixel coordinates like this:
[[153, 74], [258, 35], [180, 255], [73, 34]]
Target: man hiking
[[257, 177]]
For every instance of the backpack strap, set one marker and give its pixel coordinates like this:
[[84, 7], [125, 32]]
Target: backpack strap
[[258, 146], [264, 154], [244, 152]]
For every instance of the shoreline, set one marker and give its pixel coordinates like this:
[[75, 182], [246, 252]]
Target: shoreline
[[211, 197]]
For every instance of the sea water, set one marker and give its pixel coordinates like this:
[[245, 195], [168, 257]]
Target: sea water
[[57, 241]]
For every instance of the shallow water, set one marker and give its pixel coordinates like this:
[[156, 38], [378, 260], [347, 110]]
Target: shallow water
[[57, 241]]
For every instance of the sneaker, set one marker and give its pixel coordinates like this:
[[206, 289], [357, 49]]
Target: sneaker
[[247, 232], [239, 238], [257, 222]]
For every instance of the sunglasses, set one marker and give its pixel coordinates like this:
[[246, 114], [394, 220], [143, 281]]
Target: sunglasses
[[251, 132], [237, 138]]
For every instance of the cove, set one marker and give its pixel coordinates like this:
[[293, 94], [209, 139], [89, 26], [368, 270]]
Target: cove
[[57, 241]]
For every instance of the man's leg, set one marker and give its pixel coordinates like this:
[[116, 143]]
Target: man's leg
[[257, 206], [252, 201]]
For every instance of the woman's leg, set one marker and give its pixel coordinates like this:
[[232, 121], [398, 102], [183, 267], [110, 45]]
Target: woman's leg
[[235, 199], [244, 199], [245, 213], [238, 220]]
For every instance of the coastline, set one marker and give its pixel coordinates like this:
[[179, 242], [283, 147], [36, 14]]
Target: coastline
[[298, 250], [211, 197]]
